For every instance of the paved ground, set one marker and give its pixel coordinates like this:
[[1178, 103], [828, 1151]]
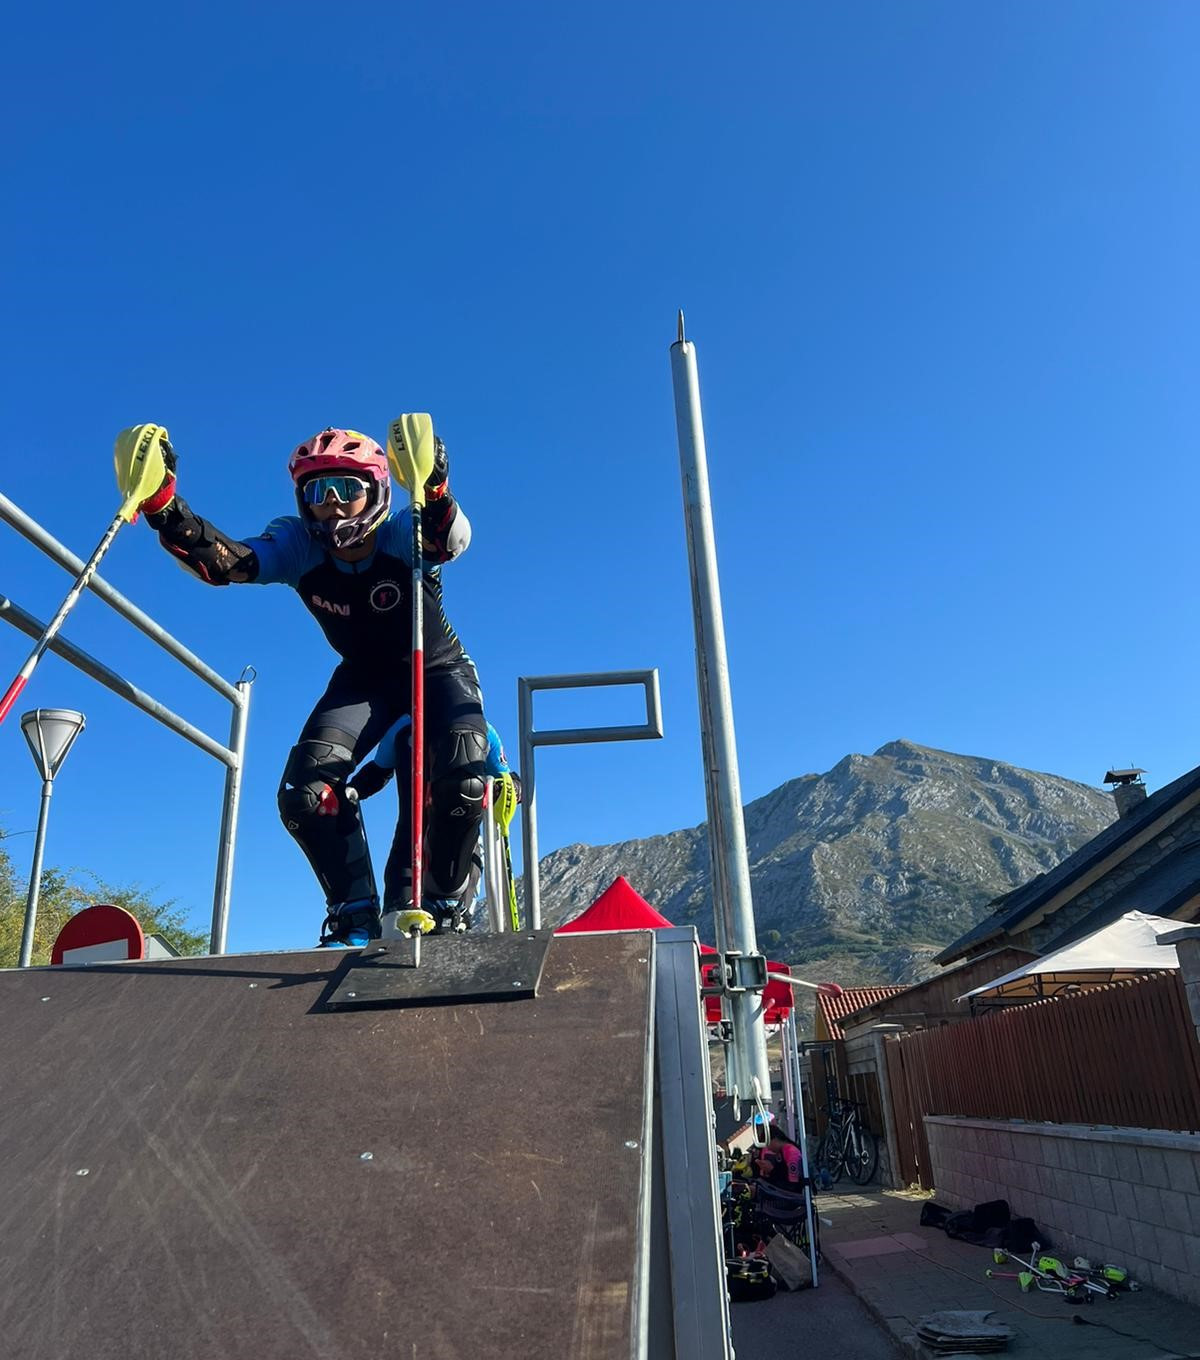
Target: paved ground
[[827, 1320], [874, 1242]]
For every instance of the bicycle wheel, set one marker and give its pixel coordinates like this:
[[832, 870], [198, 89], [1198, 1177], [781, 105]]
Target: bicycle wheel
[[829, 1156], [863, 1155], [818, 1156]]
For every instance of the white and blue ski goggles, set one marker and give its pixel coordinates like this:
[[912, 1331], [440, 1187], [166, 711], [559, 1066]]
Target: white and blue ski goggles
[[345, 489]]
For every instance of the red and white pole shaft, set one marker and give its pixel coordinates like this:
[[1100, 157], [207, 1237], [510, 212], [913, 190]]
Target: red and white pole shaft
[[418, 710]]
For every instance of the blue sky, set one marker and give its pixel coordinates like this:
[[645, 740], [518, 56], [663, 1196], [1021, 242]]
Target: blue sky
[[939, 263]]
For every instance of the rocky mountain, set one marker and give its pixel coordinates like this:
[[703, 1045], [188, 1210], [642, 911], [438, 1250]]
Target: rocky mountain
[[862, 873]]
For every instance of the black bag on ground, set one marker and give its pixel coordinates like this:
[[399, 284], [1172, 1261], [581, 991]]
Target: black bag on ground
[[984, 1225], [933, 1215], [748, 1279]]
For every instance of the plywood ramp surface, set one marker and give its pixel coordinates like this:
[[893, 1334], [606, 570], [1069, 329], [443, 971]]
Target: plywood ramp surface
[[199, 1162]]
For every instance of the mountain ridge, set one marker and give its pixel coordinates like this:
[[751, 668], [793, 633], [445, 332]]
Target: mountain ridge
[[868, 869]]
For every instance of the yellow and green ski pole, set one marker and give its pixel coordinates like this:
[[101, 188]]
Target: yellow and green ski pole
[[504, 797]]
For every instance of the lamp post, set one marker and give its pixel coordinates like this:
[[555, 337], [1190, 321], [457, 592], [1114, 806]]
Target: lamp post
[[51, 733]]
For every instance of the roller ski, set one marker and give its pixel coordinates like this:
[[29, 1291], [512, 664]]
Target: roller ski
[[1051, 1276], [1116, 1276]]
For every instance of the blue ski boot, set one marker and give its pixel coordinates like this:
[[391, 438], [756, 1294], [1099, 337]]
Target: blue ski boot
[[352, 925]]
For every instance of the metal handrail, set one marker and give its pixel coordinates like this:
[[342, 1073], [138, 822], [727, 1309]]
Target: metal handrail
[[33, 531], [238, 695], [81, 660]]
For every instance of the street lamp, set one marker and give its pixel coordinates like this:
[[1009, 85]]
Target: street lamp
[[51, 733]]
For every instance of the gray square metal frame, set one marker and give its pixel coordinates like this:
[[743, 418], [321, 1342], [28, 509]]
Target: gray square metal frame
[[569, 736]]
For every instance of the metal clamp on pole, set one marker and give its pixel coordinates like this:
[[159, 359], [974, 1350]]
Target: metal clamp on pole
[[745, 972]]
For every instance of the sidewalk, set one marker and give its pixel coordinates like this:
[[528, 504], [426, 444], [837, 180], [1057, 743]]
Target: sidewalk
[[902, 1271]]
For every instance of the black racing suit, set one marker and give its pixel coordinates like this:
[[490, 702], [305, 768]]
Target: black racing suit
[[365, 611]]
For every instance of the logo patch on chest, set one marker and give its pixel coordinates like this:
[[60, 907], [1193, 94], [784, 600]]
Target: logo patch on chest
[[384, 596], [330, 607]]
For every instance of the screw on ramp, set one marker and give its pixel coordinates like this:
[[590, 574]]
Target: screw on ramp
[[200, 1157]]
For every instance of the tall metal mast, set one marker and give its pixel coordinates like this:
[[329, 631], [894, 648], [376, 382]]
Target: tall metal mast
[[745, 968]]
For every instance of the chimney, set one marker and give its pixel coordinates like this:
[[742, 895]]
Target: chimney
[[1128, 789]]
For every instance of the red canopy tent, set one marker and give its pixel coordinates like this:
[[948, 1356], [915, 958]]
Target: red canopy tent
[[621, 907]]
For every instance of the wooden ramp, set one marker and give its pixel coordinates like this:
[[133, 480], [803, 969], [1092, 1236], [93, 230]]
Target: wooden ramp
[[201, 1160]]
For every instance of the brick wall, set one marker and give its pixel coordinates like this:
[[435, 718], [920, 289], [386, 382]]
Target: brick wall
[[1127, 1196]]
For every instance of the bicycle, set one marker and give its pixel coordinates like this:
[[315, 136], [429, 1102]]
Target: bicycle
[[847, 1145]]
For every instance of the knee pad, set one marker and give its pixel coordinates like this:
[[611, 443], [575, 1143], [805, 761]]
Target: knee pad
[[458, 779], [457, 790], [313, 768]]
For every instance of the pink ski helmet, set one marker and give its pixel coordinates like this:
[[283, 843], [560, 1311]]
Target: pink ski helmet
[[348, 452]]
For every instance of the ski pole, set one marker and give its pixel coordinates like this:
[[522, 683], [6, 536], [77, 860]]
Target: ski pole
[[505, 807], [138, 458], [411, 452]]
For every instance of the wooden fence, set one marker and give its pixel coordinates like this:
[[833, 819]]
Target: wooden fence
[[1123, 1054]]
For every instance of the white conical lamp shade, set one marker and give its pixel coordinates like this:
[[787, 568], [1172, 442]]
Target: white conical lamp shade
[[51, 732]]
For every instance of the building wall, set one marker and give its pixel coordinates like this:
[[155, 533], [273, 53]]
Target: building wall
[[1125, 873], [1126, 1196], [933, 1002]]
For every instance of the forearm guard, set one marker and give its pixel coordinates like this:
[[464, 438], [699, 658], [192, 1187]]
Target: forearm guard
[[444, 529], [202, 548]]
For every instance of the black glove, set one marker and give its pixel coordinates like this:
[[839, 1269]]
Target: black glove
[[437, 484], [368, 781], [156, 504]]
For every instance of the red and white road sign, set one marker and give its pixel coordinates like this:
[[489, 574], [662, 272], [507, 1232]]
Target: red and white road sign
[[99, 933]]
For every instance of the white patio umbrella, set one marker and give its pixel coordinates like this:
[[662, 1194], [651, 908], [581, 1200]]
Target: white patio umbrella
[[1126, 947]]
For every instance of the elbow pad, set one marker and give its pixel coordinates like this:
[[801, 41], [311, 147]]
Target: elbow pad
[[201, 547]]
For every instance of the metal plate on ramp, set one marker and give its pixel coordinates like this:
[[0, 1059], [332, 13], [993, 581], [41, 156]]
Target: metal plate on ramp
[[454, 969]]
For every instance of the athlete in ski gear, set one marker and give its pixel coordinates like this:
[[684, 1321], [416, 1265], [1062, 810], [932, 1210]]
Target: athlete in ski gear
[[348, 556], [453, 913]]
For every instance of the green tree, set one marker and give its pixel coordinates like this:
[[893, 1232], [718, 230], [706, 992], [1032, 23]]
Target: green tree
[[63, 894]]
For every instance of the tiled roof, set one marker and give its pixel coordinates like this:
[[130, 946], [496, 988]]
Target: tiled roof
[[1024, 901], [834, 1008]]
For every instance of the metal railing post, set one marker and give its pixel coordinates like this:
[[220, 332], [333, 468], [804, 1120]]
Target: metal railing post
[[227, 841]]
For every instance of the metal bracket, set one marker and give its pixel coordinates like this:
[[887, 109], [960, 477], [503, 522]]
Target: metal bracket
[[745, 972]]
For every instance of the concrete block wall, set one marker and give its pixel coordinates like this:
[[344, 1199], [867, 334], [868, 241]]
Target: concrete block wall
[[1126, 1196]]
